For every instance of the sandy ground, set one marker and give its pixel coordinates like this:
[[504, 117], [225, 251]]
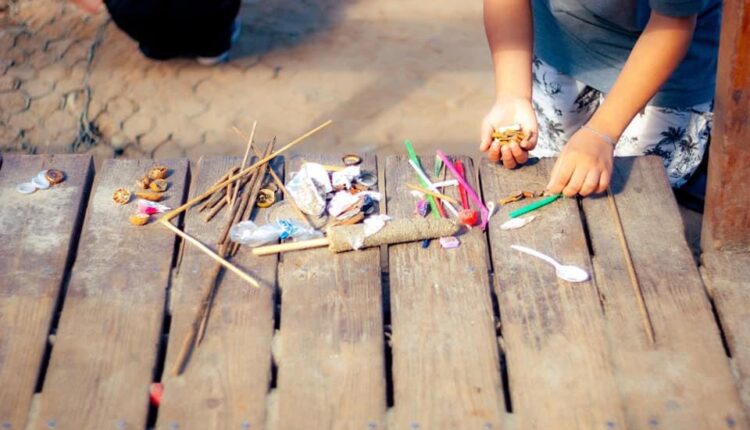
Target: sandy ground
[[384, 71]]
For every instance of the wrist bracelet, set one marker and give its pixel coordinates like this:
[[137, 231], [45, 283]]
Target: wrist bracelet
[[599, 134]]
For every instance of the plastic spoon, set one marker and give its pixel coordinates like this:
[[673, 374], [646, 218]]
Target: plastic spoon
[[565, 272]]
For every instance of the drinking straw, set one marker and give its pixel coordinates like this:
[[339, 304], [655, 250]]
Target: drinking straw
[[523, 210], [485, 213], [437, 211], [429, 185]]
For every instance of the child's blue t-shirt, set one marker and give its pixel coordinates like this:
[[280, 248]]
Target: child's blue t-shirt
[[590, 40]]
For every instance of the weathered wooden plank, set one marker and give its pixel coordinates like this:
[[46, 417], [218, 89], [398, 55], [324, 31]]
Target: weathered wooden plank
[[446, 366], [330, 347], [106, 344], [726, 218], [554, 332], [38, 235], [727, 276], [226, 380], [683, 380]]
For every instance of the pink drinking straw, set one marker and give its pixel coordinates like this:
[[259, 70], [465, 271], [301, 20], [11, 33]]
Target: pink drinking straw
[[484, 212]]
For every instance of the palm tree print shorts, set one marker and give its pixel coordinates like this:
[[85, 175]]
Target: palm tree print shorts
[[563, 105]]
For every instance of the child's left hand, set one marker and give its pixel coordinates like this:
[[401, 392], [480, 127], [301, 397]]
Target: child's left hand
[[584, 166]]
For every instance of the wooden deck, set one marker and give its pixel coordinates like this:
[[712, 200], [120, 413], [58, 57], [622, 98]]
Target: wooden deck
[[92, 311]]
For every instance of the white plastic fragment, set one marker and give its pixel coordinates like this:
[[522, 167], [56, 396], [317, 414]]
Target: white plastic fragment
[[26, 188], [374, 224], [309, 188], [343, 179], [449, 242], [341, 201], [515, 223]]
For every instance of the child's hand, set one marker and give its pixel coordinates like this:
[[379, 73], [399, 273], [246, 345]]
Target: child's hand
[[508, 111], [584, 166]]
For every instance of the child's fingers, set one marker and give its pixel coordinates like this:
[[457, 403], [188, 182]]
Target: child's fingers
[[576, 182], [508, 160], [485, 139], [494, 152], [519, 153], [560, 176], [591, 183], [530, 142], [604, 179]]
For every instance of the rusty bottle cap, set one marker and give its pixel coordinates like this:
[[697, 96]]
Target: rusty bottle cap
[[351, 159], [54, 176]]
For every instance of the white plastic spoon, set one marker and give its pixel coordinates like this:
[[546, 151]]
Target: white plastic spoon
[[564, 272]]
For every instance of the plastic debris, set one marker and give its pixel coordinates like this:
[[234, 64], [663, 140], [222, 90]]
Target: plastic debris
[[341, 202], [26, 188], [468, 217], [151, 208], [40, 180], [515, 223], [249, 234], [155, 391], [309, 188], [375, 223], [450, 242], [342, 180], [423, 208]]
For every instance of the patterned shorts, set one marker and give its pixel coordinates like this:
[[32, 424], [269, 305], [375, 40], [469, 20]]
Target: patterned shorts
[[563, 105]]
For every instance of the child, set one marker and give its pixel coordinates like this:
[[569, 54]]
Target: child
[[166, 29], [628, 77]]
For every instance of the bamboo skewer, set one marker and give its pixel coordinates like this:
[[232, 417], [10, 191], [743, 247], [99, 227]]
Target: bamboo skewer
[[280, 184], [247, 154], [195, 242], [645, 317], [216, 197], [174, 212]]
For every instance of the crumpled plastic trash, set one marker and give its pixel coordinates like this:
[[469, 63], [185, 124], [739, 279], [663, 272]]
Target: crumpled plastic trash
[[250, 234], [449, 242], [342, 201], [371, 226], [309, 188], [150, 208], [342, 180]]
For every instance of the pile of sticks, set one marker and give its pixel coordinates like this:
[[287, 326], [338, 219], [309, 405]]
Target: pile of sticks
[[238, 191]]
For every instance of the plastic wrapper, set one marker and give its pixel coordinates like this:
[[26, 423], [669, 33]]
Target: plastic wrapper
[[450, 242], [309, 188], [342, 180], [250, 234], [342, 202], [151, 208]]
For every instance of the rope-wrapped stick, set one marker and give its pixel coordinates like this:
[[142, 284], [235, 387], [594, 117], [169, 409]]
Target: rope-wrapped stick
[[342, 238]]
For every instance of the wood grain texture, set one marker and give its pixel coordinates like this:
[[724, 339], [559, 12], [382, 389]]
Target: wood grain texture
[[38, 233], [727, 277], [226, 379], [559, 363], [446, 366], [683, 381], [330, 347], [726, 218], [106, 344]]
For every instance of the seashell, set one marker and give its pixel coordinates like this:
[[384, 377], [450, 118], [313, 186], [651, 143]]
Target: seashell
[[143, 183], [159, 185], [54, 176], [266, 198], [121, 196], [158, 172], [139, 219], [148, 195]]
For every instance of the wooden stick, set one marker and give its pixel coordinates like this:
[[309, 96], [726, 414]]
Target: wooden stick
[[645, 317], [216, 209], [291, 246], [248, 198], [174, 212], [433, 193], [247, 154], [195, 242], [301, 215], [216, 197]]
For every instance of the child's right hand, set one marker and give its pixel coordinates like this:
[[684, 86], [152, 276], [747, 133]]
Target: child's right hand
[[509, 111]]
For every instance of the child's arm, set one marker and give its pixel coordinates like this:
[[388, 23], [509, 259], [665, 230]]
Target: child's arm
[[509, 32], [585, 164]]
